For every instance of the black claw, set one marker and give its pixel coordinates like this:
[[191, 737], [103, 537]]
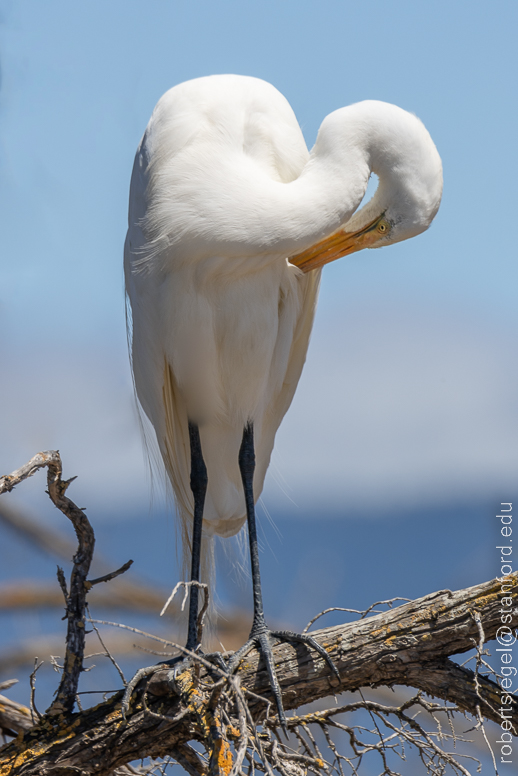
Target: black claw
[[265, 648], [241, 653], [261, 642], [218, 660], [260, 638], [305, 638]]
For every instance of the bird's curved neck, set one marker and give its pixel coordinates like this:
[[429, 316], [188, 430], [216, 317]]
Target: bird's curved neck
[[252, 214], [279, 218]]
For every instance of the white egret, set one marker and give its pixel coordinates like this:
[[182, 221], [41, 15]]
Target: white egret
[[230, 221]]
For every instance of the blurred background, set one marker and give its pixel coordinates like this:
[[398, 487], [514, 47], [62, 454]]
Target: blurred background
[[402, 440]]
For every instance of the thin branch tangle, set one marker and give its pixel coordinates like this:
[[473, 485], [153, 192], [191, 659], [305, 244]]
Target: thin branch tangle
[[232, 715]]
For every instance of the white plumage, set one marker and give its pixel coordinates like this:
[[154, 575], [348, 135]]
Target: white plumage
[[223, 192]]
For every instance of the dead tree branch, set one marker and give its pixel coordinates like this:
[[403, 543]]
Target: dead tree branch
[[39, 461], [14, 718], [111, 575], [76, 599], [79, 586], [409, 645]]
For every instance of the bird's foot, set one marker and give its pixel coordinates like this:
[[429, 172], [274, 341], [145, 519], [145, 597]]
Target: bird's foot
[[142, 673], [260, 637], [209, 660], [177, 665]]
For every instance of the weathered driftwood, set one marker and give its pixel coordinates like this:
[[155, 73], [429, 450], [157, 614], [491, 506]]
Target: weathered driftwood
[[408, 645]]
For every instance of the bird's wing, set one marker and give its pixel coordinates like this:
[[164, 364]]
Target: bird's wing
[[297, 357]]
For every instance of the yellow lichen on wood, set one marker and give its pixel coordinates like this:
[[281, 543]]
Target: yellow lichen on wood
[[222, 756], [115, 716], [487, 600], [27, 750], [209, 722]]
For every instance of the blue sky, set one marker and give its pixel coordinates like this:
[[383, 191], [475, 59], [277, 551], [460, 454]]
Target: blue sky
[[408, 402]]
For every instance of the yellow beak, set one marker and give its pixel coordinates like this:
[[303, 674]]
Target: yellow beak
[[339, 244]]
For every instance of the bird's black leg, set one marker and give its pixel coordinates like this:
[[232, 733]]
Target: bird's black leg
[[199, 482], [199, 489], [247, 468], [260, 633]]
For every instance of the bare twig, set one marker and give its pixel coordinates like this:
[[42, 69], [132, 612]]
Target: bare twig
[[111, 575], [32, 680], [363, 613], [8, 683], [47, 458], [106, 650], [201, 614], [478, 689], [409, 645]]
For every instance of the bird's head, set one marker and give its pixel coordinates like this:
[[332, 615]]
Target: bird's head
[[399, 149]]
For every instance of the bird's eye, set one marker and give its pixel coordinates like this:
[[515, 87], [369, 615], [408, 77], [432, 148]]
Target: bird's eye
[[383, 227]]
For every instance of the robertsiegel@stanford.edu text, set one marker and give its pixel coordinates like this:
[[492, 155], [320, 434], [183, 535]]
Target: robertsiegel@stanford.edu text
[[505, 636]]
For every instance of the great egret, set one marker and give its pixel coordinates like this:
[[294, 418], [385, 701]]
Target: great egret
[[230, 221]]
